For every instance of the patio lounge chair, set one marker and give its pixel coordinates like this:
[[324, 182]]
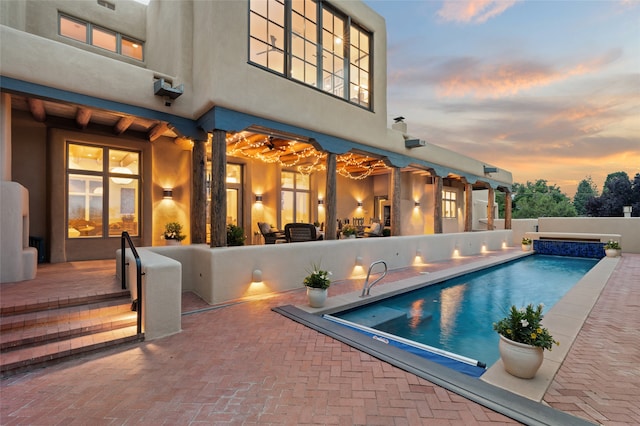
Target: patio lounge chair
[[271, 235], [299, 232]]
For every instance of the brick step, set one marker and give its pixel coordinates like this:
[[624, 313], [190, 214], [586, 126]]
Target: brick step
[[68, 314], [38, 305], [47, 332], [39, 356]]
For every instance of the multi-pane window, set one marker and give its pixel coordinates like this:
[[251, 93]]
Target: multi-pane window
[[103, 191], [449, 204], [295, 198], [94, 35], [311, 42]]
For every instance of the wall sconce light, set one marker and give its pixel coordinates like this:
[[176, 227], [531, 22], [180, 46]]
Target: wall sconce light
[[358, 260], [256, 276], [258, 198], [359, 203], [167, 193], [416, 204], [320, 202]]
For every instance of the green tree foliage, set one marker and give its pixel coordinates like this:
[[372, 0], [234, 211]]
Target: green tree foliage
[[586, 190], [533, 200], [618, 191]]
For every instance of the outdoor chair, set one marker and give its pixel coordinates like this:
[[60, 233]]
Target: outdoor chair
[[374, 230], [299, 232], [271, 235]]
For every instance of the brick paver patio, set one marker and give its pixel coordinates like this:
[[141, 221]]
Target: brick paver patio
[[245, 364]]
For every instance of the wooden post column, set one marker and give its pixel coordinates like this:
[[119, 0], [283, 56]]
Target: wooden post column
[[331, 198], [396, 224], [468, 207], [437, 205], [198, 193], [507, 210], [218, 189], [490, 209]]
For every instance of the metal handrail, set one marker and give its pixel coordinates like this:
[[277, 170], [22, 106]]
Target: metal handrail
[[365, 289], [136, 305]]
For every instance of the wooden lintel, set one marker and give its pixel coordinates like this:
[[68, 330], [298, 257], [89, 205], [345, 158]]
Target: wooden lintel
[[83, 115], [122, 125], [36, 107], [157, 131]]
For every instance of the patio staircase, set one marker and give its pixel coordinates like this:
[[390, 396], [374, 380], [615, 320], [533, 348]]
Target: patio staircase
[[39, 334]]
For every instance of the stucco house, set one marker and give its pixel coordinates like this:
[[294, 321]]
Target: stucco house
[[124, 116]]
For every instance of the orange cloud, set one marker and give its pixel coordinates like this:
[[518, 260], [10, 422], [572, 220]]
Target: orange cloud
[[485, 81], [476, 11]]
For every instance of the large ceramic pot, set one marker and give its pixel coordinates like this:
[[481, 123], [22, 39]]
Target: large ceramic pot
[[172, 242], [519, 359], [527, 247], [612, 252], [316, 297]]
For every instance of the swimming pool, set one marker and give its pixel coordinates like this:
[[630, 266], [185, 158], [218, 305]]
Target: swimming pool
[[457, 315]]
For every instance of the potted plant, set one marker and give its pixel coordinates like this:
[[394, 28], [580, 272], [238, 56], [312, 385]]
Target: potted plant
[[349, 231], [235, 235], [173, 233], [523, 340], [526, 244], [317, 283], [612, 248]]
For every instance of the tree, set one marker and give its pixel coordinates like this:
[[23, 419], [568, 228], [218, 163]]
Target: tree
[[586, 190], [618, 191], [533, 200]]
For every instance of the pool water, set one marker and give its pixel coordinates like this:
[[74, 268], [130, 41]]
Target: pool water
[[457, 315]]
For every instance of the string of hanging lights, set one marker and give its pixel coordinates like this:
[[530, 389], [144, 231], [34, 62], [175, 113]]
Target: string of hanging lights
[[300, 155]]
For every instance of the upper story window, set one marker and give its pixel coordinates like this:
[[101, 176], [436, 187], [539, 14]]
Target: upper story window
[[95, 35], [311, 42]]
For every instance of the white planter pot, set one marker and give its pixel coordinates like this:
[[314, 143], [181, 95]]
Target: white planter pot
[[519, 359], [316, 297], [527, 247], [612, 252]]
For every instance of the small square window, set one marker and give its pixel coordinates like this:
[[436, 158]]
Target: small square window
[[103, 38], [73, 29], [132, 49]]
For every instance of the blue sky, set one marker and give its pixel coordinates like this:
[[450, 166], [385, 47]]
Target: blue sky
[[546, 89]]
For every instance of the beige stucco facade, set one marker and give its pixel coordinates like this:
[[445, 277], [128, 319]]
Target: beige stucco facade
[[203, 46]]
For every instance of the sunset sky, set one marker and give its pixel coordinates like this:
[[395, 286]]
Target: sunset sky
[[545, 89]]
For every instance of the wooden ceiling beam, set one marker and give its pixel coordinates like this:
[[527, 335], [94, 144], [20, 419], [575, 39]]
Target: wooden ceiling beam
[[122, 125], [36, 107], [83, 116], [157, 131]]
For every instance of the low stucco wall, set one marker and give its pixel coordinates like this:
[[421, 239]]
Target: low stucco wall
[[627, 227], [220, 275]]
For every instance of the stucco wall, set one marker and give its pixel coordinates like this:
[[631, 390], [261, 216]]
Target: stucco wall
[[629, 228], [219, 275]]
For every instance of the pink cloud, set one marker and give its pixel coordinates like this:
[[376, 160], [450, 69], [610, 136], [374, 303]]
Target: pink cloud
[[495, 80], [476, 11]]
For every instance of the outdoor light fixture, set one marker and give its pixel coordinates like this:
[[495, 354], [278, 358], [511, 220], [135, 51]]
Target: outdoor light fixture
[[258, 198], [359, 203], [416, 204], [358, 260], [320, 201], [167, 193], [256, 276]]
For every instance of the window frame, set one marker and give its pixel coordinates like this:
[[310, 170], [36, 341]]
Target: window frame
[[88, 38], [104, 175], [295, 190], [449, 198], [341, 91]]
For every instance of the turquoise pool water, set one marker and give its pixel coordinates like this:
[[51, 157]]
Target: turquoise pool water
[[457, 315]]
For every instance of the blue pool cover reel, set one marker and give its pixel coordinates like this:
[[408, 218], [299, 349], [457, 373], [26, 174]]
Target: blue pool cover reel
[[462, 364]]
